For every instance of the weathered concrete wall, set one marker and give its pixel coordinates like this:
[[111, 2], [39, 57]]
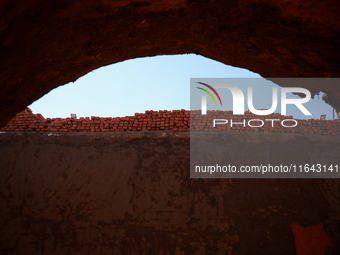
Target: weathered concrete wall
[[130, 193]]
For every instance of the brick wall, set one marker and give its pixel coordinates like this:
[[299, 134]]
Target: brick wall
[[176, 120]]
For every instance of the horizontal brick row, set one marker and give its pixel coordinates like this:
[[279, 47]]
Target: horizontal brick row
[[176, 120]]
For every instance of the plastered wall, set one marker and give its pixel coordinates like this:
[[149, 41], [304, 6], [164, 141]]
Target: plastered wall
[[130, 193]]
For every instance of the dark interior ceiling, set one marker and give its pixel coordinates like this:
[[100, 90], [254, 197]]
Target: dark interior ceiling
[[45, 44]]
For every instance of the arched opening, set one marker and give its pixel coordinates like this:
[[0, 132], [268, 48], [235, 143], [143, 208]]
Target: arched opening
[[134, 86], [46, 45], [154, 83]]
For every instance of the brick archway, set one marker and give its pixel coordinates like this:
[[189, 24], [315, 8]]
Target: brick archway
[[45, 44]]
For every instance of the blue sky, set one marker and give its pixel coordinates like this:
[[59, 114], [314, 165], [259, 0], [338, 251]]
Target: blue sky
[[152, 83]]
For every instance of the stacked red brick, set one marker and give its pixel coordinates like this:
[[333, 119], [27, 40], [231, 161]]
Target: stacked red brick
[[176, 120], [25, 121]]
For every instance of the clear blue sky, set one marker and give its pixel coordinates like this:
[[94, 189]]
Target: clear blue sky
[[137, 85]]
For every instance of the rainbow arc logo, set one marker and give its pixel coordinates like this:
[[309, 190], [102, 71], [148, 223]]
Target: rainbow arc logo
[[208, 86]]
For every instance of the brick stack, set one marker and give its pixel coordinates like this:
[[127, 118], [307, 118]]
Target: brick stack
[[176, 120], [25, 121]]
